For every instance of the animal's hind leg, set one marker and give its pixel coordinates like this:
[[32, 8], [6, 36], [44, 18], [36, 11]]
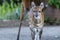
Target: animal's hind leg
[[21, 19]]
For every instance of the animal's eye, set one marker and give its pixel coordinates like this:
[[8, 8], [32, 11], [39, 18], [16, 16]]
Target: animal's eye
[[39, 11], [34, 11]]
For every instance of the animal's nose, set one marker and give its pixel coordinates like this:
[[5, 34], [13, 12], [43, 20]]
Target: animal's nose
[[36, 15]]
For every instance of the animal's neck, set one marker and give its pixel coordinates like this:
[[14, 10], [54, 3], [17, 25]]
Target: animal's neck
[[36, 21]]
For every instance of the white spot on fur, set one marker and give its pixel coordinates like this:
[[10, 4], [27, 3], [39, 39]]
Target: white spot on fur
[[36, 34]]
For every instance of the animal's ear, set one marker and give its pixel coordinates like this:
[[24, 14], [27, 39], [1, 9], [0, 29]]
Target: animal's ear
[[32, 4], [42, 5]]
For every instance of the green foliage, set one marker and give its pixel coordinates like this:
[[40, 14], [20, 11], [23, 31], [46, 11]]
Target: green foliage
[[7, 10], [11, 16], [20, 0], [49, 21], [54, 3]]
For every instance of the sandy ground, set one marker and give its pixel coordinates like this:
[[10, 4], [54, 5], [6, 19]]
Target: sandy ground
[[49, 33]]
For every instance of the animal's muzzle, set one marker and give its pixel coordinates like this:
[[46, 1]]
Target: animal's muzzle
[[36, 14]]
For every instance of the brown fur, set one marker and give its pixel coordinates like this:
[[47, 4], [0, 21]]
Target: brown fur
[[36, 23], [27, 4], [33, 21]]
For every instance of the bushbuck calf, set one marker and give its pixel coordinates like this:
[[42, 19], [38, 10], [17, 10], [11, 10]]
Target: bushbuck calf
[[36, 21]]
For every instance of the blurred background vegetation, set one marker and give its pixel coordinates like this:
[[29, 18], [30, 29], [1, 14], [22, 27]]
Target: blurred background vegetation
[[11, 9], [54, 3], [53, 13]]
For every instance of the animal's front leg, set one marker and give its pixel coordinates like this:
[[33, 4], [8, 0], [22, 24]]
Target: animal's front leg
[[32, 35], [35, 37], [36, 34], [32, 32], [40, 34]]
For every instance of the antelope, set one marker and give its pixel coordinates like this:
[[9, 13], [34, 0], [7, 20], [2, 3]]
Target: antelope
[[26, 5], [36, 21]]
